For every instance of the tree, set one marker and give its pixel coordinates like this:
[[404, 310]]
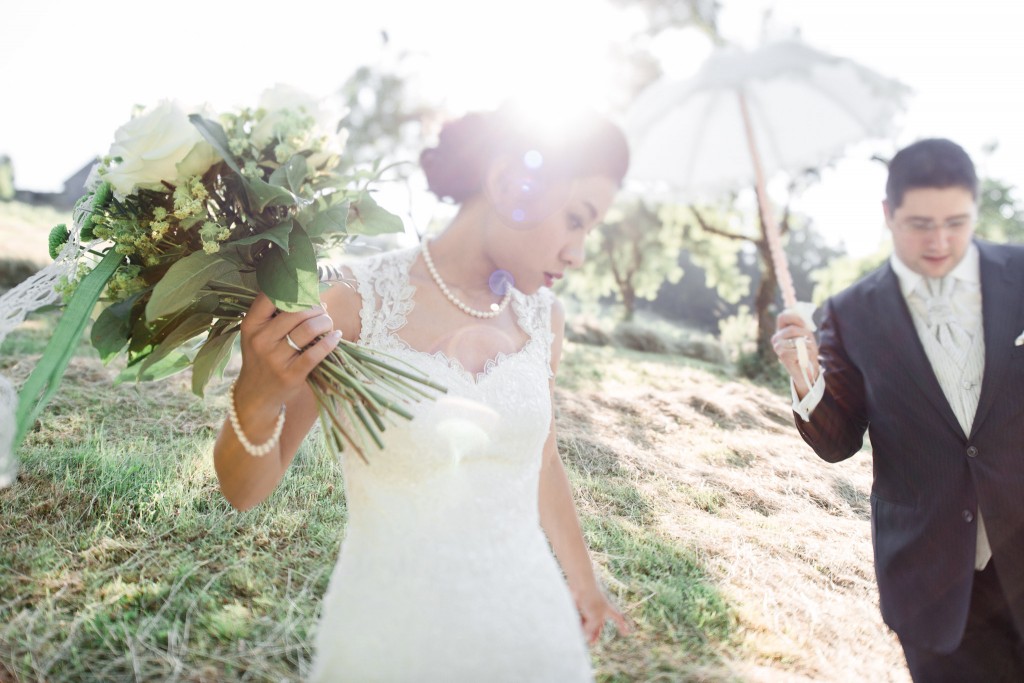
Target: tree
[[6, 178], [1000, 215], [385, 118], [666, 14], [765, 299], [631, 255], [837, 275]]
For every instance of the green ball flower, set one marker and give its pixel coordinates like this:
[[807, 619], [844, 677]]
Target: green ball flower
[[100, 199], [58, 238]]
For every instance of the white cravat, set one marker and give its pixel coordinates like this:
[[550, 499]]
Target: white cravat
[[949, 308]]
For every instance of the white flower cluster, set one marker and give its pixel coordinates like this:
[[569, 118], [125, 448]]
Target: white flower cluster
[[160, 146]]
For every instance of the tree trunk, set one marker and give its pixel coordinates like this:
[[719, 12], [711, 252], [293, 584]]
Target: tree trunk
[[628, 301], [764, 303]]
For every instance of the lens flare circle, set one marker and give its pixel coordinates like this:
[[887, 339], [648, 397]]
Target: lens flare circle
[[500, 282]]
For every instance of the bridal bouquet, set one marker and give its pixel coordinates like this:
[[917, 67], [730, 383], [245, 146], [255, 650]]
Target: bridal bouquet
[[188, 218]]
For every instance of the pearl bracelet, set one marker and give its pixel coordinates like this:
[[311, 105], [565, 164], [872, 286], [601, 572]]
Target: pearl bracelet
[[266, 446]]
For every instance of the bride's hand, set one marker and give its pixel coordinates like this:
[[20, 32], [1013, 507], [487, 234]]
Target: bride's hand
[[280, 349], [595, 609]]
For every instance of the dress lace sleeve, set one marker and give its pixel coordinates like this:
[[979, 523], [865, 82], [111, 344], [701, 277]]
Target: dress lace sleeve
[[383, 283], [534, 314]]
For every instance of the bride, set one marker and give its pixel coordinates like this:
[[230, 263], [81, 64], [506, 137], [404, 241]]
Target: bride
[[446, 572]]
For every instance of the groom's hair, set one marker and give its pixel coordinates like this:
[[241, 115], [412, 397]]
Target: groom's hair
[[933, 162]]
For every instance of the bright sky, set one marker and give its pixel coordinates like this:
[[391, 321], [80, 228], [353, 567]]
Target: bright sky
[[72, 70]]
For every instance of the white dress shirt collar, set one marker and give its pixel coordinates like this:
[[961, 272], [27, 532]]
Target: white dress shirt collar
[[968, 270]]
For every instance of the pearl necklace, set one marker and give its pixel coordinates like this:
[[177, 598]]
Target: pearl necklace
[[496, 309]]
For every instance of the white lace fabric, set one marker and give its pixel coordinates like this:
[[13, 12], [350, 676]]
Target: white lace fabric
[[16, 305], [445, 573]]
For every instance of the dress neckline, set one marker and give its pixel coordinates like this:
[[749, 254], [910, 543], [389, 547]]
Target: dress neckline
[[406, 295]]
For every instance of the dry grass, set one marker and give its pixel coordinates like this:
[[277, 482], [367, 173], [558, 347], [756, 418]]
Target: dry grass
[[782, 536]]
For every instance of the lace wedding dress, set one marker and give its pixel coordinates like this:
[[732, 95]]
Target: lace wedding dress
[[445, 573]]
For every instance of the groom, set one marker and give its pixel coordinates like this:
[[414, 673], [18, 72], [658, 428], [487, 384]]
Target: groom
[[927, 354]]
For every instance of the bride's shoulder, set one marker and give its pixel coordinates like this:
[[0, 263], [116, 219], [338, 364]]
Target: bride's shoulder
[[353, 281], [542, 312]]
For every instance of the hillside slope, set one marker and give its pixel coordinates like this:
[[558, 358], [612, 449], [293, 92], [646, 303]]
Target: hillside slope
[[783, 537]]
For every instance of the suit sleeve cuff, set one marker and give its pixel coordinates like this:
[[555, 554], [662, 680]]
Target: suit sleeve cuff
[[803, 407]]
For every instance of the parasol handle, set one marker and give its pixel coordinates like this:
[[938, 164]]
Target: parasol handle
[[772, 237], [771, 228]]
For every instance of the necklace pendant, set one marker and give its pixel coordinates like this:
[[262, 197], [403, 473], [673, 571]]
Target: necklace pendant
[[495, 309]]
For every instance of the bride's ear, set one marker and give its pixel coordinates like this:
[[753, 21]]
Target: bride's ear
[[507, 182], [516, 193]]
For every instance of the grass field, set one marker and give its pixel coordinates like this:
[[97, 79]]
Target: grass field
[[737, 554]]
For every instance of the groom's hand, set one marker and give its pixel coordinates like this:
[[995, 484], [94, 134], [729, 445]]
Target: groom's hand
[[791, 329]]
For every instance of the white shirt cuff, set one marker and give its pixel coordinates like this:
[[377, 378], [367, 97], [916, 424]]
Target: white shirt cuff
[[803, 407]]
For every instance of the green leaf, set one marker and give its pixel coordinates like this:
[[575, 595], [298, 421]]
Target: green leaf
[[290, 279], [183, 281], [211, 359], [172, 364], [297, 170], [214, 133], [368, 218], [277, 234], [45, 378], [264, 194], [333, 219], [112, 327], [188, 328], [146, 335], [291, 174]]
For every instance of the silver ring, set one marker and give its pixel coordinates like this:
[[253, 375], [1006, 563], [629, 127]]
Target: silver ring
[[291, 343]]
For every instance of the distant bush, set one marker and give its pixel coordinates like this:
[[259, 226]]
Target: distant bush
[[14, 271], [708, 350], [646, 335], [640, 338], [587, 330]]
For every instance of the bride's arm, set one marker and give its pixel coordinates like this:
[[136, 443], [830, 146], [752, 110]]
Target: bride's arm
[[273, 375], [561, 523]]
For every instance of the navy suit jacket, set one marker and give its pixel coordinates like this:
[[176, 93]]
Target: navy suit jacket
[[929, 477]]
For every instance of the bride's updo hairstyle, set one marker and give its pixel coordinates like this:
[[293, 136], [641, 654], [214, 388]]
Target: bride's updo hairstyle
[[456, 168]]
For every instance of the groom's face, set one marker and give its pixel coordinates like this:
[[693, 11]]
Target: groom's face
[[932, 228]]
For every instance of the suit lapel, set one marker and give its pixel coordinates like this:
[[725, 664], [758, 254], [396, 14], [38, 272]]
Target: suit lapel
[[897, 328], [1001, 288]]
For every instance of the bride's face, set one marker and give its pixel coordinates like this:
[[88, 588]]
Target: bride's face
[[541, 235]]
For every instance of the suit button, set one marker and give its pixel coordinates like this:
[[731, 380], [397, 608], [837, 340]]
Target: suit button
[[968, 516], [972, 452]]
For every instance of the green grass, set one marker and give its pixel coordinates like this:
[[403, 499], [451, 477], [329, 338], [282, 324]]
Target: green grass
[[121, 561]]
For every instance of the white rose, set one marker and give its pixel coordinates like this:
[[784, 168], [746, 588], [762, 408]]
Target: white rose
[[159, 145]]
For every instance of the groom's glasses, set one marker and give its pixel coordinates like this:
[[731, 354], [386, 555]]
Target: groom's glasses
[[926, 226]]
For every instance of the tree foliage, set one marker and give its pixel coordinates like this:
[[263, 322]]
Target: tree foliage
[[385, 117], [6, 178], [1000, 214], [631, 255]]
